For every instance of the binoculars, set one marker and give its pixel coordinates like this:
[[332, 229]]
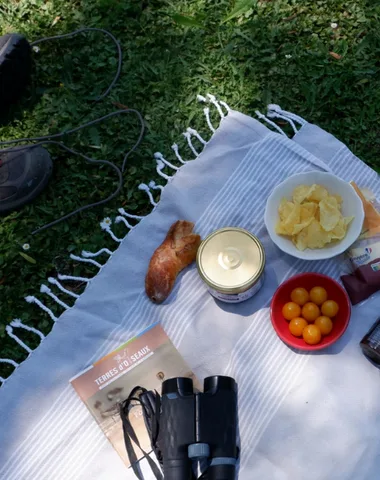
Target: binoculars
[[199, 426]]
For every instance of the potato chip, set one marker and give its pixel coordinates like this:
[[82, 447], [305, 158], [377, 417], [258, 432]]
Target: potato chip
[[329, 213], [317, 237], [302, 192], [285, 209], [300, 240], [293, 219], [313, 219], [339, 232], [318, 193], [280, 229], [306, 217], [338, 198]]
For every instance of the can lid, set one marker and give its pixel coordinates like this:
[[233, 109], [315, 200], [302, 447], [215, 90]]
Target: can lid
[[231, 260]]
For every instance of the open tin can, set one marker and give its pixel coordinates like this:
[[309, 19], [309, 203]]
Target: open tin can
[[231, 262]]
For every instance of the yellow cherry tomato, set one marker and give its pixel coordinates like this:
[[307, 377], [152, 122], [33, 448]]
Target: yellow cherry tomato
[[324, 324], [297, 325], [311, 334], [318, 295], [291, 310], [310, 311], [299, 296], [330, 308]]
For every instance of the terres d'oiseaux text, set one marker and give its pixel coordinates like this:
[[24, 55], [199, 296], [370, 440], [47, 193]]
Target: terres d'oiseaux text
[[123, 365]]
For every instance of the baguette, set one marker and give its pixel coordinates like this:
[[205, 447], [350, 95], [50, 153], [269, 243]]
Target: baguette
[[178, 250]]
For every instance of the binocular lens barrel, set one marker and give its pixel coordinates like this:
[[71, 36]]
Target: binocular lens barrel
[[205, 422]]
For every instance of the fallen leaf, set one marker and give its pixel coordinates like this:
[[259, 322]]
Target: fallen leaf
[[27, 258], [289, 19], [335, 55], [56, 20]]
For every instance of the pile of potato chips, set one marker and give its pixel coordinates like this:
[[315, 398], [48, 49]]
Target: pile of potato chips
[[313, 219]]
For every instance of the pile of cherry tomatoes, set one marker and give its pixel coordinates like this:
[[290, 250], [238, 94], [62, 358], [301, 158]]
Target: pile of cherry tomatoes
[[310, 314]]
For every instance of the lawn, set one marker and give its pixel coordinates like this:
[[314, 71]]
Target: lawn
[[320, 59]]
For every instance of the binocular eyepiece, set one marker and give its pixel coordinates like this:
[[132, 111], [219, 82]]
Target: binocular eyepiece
[[199, 426]]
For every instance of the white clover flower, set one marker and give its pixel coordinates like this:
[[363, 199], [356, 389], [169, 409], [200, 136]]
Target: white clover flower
[[288, 56], [106, 223], [334, 25], [26, 246], [36, 49]]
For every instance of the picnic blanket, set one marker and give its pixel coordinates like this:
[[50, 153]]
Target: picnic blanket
[[314, 416]]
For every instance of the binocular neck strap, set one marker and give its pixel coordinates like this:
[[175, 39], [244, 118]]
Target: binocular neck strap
[[130, 436]]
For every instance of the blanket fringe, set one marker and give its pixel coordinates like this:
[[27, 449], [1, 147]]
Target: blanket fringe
[[85, 260], [160, 166], [119, 219], [17, 323], [129, 215], [187, 135], [106, 224], [159, 156], [32, 299], [213, 100], [269, 122], [283, 117], [23, 345], [176, 151], [75, 279], [154, 186], [47, 290], [55, 282], [86, 254], [274, 110], [144, 188]]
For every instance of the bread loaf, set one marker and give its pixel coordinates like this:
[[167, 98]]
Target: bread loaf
[[178, 250]]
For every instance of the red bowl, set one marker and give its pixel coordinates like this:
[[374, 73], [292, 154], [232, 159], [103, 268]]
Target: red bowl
[[308, 281]]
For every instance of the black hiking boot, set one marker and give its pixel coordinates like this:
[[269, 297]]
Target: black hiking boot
[[15, 68], [23, 175]]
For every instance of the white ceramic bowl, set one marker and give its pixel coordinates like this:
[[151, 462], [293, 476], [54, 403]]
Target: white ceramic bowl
[[352, 206]]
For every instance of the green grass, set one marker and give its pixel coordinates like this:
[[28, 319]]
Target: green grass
[[275, 52]]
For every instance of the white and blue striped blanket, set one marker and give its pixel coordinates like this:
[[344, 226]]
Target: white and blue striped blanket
[[302, 416]]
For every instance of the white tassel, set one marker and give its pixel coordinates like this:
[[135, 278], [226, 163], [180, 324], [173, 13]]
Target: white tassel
[[159, 156], [276, 108], [85, 260], [277, 115], [47, 290], [188, 138], [86, 254], [212, 100], [224, 104], [160, 166], [145, 188], [9, 331], [154, 186], [55, 282], [9, 361], [32, 299], [119, 219], [201, 98], [206, 111], [75, 279], [17, 323], [129, 215], [263, 117], [197, 135], [107, 228], [176, 151]]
